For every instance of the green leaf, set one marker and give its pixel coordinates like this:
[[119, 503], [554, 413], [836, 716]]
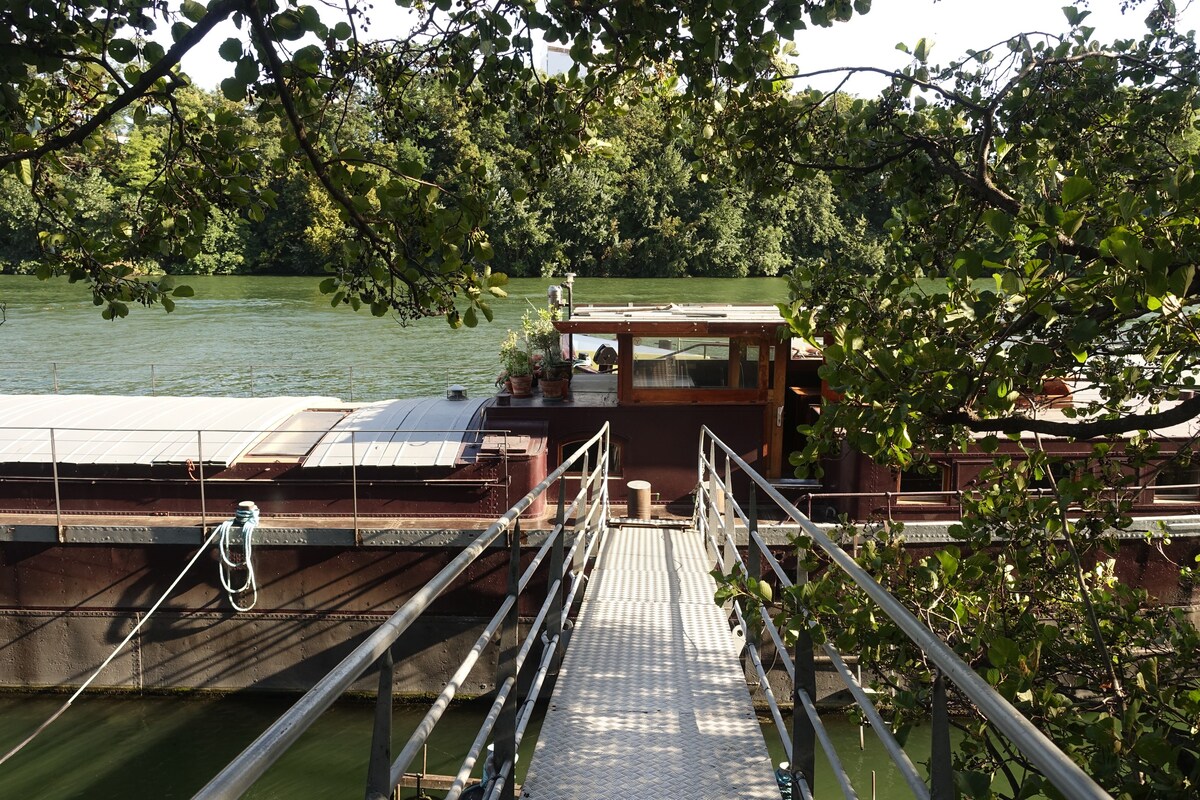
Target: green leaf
[[246, 70], [921, 53], [288, 25], [152, 52], [230, 49], [233, 89], [999, 222], [949, 561], [1076, 188], [122, 50], [192, 10], [1002, 651]]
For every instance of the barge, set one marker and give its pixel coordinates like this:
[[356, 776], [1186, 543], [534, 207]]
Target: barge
[[102, 499]]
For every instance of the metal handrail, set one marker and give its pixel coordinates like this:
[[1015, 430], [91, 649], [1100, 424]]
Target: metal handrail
[[1055, 765], [247, 767], [55, 436], [947, 497]]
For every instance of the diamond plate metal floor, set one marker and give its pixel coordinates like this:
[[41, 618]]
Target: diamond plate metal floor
[[651, 701]]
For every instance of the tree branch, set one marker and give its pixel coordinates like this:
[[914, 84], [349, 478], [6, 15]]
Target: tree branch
[[1086, 429], [217, 12]]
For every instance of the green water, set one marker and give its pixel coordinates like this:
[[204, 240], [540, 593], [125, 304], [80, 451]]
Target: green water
[[263, 336], [120, 748], [156, 747]]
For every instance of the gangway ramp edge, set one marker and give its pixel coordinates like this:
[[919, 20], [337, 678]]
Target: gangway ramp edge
[[651, 699]]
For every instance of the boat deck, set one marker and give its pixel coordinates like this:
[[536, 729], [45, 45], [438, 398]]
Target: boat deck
[[651, 699]]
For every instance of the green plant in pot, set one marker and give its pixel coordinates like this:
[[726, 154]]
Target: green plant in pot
[[555, 371], [517, 362]]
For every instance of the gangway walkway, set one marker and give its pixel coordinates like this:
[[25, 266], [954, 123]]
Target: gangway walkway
[[651, 699]]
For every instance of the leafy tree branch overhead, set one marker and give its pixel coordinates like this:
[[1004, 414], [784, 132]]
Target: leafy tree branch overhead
[[1044, 226], [84, 77]]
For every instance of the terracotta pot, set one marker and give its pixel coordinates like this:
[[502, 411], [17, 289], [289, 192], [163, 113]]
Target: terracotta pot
[[521, 385], [554, 389]]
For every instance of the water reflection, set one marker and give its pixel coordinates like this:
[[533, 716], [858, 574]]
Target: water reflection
[[116, 748]]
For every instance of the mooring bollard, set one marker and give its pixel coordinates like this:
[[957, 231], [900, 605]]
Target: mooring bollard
[[639, 500]]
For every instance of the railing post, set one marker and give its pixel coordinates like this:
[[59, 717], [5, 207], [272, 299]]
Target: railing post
[[729, 523], [554, 616], [940, 765], [698, 509], [606, 443], [804, 735], [505, 741], [54, 373], [585, 489], [61, 533], [354, 485], [714, 520], [379, 767], [200, 467], [351, 383], [753, 559]]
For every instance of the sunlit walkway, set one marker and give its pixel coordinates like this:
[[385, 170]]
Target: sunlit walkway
[[650, 701]]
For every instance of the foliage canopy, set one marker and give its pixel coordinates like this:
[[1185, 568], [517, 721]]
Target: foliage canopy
[[86, 77]]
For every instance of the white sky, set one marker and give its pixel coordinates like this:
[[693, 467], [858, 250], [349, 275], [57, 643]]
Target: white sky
[[954, 26]]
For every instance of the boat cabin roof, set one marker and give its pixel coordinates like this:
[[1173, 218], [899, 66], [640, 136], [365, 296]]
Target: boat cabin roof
[[104, 429], [314, 431], [700, 319]]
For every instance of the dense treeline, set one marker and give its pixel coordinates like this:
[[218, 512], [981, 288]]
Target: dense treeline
[[639, 202]]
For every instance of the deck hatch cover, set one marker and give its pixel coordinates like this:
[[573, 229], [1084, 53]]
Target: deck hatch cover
[[414, 432], [512, 444], [102, 429], [297, 435]]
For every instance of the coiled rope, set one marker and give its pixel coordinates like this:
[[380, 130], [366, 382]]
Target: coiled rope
[[251, 516], [245, 518]]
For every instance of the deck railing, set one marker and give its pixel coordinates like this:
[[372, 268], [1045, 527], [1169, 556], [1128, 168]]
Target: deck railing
[[718, 514], [197, 472], [585, 514], [939, 501]]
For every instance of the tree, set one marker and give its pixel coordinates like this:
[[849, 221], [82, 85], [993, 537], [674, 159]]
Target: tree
[[1044, 231], [76, 76]]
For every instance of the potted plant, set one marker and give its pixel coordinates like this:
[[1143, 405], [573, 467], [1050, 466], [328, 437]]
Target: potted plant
[[555, 371], [517, 362]]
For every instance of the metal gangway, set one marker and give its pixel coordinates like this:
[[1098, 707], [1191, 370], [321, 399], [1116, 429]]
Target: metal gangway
[[718, 516], [651, 697]]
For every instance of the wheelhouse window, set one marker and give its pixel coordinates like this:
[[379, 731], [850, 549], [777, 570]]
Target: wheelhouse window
[[924, 485], [614, 456], [1178, 483], [695, 363]]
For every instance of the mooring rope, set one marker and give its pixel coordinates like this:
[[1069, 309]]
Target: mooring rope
[[251, 515], [245, 518]]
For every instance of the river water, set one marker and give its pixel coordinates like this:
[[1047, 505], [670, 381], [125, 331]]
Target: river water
[[266, 335], [255, 335]]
